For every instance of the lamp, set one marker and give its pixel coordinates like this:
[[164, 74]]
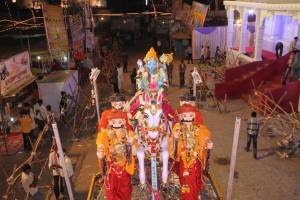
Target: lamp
[[251, 12]]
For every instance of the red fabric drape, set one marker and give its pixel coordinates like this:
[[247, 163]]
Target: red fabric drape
[[235, 88]]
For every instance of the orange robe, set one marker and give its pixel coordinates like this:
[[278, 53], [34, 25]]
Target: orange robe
[[118, 180], [103, 123], [189, 170]]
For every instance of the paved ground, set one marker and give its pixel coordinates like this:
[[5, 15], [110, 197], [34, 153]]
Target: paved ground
[[268, 178]]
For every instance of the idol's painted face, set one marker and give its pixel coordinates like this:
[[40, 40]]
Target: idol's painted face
[[117, 123], [152, 65], [187, 117], [118, 104]]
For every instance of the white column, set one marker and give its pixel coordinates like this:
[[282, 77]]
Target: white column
[[259, 29], [230, 28], [244, 31]]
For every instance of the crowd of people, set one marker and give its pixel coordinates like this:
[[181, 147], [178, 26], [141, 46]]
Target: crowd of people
[[32, 119]]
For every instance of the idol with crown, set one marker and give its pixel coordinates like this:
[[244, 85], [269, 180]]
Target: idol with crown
[[147, 128], [154, 118]]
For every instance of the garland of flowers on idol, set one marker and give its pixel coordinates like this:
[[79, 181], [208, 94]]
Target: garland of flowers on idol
[[189, 156]]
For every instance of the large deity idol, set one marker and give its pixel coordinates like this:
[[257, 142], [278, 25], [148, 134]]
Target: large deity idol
[[188, 146], [115, 152], [153, 72]]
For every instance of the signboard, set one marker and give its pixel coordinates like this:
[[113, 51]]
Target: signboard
[[199, 11], [77, 32], [56, 31], [18, 72], [191, 13]]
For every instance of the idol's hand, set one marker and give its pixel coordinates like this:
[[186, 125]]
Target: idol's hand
[[130, 140], [177, 133], [100, 152], [209, 145]]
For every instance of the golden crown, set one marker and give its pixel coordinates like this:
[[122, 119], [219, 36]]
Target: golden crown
[[151, 54]]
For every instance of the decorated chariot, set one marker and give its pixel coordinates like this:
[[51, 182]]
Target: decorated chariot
[[146, 150]]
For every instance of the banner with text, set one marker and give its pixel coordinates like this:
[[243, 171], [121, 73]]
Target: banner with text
[[17, 72], [56, 31], [77, 32]]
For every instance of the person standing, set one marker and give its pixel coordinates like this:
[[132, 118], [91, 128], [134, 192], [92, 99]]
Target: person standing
[[31, 114], [133, 80], [29, 183], [279, 49], [58, 180], [50, 120], [182, 68], [207, 57], [125, 61], [189, 54], [217, 55], [170, 73], [114, 80], [252, 133], [63, 104], [293, 44], [202, 54], [159, 46], [120, 76], [26, 128], [40, 114]]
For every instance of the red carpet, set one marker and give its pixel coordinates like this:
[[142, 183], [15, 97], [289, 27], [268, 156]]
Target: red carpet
[[240, 81], [14, 143]]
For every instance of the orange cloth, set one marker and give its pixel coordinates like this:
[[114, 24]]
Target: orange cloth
[[26, 124], [189, 169], [103, 123], [108, 145]]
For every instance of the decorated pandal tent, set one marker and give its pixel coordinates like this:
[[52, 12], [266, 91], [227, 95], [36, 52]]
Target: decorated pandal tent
[[267, 23], [144, 151], [254, 28]]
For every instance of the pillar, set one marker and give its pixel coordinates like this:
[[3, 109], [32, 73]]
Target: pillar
[[244, 31], [230, 30], [259, 29]]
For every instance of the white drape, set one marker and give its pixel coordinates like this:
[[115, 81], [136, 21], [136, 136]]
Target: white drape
[[217, 37]]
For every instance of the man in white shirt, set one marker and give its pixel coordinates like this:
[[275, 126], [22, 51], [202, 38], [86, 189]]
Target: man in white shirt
[[29, 183], [54, 165], [40, 113]]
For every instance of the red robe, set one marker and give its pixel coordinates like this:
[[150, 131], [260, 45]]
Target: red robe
[[118, 184], [193, 181], [103, 123]]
